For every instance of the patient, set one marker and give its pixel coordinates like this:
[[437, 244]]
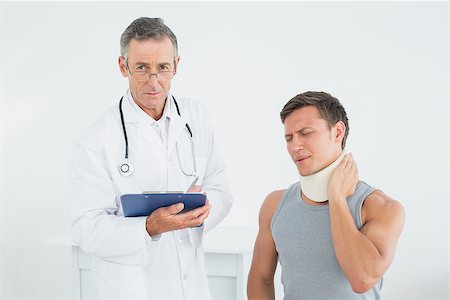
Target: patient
[[334, 235]]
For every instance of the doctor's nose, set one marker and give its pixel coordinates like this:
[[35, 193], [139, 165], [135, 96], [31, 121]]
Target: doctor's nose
[[153, 79]]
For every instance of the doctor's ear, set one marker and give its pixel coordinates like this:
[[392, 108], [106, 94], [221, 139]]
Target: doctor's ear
[[176, 63], [123, 66]]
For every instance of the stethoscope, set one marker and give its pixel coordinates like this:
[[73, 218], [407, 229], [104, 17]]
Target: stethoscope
[[127, 168]]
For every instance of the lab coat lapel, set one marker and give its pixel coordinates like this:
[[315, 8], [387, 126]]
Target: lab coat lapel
[[129, 113], [176, 127], [138, 127]]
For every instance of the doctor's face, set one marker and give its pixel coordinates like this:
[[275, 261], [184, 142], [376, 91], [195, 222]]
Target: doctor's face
[[311, 143], [144, 60]]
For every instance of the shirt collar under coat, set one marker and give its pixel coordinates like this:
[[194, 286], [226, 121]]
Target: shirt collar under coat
[[143, 116], [132, 113]]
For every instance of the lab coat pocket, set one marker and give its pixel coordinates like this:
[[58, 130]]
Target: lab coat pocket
[[153, 250], [118, 281], [196, 236], [187, 253]]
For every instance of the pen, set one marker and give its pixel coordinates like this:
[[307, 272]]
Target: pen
[[192, 184]]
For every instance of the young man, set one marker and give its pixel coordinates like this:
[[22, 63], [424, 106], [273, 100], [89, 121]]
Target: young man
[[335, 236]]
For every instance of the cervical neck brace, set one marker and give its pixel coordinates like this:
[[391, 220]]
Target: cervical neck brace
[[314, 186]]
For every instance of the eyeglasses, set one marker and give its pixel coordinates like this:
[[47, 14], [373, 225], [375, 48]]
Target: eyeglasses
[[141, 73]]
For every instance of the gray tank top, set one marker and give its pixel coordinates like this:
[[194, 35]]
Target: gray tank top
[[302, 235]]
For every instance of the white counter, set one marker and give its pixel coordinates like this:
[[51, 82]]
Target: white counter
[[219, 240]]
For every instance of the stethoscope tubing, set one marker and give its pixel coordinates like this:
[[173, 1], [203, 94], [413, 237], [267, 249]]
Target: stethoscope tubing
[[127, 168], [124, 129]]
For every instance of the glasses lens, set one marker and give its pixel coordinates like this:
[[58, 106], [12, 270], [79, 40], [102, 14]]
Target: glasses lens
[[164, 75], [160, 76], [141, 76]]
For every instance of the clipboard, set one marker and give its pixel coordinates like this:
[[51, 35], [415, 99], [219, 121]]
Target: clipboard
[[138, 205]]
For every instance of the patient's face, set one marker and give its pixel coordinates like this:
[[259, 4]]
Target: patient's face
[[311, 143]]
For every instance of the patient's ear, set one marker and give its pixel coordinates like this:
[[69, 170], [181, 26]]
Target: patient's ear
[[339, 131]]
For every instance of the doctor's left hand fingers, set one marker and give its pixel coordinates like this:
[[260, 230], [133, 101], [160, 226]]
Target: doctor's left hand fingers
[[200, 219], [195, 213], [192, 218]]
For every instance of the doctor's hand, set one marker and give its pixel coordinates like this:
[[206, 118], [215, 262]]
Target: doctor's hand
[[343, 179], [168, 218]]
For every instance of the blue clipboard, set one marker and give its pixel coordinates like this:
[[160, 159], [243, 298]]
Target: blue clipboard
[[138, 205]]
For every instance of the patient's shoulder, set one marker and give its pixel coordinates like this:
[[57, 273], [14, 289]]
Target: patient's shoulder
[[270, 204]]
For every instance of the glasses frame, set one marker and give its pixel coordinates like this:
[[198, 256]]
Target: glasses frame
[[150, 74]]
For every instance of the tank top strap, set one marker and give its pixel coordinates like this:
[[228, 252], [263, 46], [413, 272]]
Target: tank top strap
[[287, 194]]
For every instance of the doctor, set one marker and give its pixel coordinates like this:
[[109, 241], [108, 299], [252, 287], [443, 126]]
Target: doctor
[[148, 140]]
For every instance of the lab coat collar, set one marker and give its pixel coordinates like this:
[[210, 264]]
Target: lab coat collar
[[133, 113], [137, 114], [130, 113]]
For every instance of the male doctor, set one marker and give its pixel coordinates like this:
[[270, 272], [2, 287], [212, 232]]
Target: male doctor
[[154, 141]]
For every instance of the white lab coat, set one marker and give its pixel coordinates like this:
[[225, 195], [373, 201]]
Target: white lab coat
[[127, 264]]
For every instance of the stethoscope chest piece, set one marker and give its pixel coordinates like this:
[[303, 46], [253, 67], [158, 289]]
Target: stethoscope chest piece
[[126, 169]]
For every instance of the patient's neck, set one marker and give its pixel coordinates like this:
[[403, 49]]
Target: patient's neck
[[314, 186]]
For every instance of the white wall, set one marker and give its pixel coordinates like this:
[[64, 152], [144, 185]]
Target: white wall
[[387, 63]]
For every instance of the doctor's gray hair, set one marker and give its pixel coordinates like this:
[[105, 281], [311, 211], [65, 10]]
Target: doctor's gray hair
[[145, 29], [329, 107]]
